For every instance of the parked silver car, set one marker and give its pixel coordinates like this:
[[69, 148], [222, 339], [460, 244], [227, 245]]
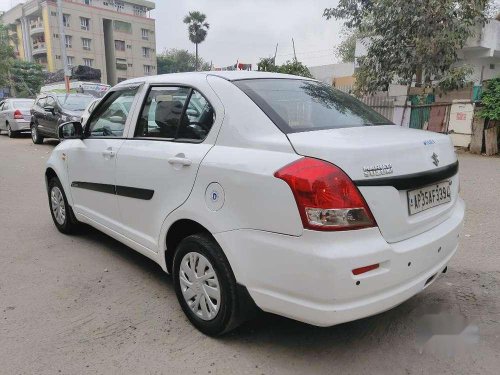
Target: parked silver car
[[15, 116]]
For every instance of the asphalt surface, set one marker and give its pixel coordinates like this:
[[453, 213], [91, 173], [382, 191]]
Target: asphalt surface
[[88, 304]]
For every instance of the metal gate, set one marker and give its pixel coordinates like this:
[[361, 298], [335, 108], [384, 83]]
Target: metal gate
[[433, 117], [383, 105]]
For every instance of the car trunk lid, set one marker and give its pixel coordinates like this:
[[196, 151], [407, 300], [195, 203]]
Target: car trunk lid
[[386, 162]]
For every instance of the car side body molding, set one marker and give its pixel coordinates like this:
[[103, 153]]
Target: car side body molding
[[125, 191]]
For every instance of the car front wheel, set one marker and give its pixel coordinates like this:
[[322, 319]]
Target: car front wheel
[[35, 135], [205, 285], [61, 211]]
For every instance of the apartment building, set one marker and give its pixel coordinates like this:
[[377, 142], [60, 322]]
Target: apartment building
[[115, 36]]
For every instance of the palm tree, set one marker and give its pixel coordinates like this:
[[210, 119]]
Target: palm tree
[[197, 29]]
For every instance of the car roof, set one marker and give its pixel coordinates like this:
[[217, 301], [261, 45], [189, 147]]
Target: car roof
[[195, 76]]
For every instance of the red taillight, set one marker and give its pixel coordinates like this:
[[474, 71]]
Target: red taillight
[[18, 115], [326, 197]]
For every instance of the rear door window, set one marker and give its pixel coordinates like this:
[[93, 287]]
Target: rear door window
[[296, 105], [175, 113], [163, 112]]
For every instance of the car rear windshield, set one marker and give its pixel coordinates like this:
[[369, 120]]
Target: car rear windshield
[[296, 105], [24, 104], [74, 102]]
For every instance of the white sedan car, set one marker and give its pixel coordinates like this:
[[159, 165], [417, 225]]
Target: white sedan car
[[259, 189]]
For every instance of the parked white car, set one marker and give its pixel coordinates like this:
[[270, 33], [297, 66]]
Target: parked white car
[[262, 189]]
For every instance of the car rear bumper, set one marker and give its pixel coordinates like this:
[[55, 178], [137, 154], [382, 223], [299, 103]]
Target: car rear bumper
[[309, 278], [20, 125]]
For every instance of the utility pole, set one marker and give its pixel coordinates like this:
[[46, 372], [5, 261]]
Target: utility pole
[[275, 53], [62, 38], [294, 54]]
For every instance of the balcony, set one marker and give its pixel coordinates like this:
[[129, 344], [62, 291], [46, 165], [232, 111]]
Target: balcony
[[39, 48], [36, 27], [486, 40]]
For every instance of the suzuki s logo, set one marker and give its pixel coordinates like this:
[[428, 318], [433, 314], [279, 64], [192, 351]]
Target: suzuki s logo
[[435, 159]]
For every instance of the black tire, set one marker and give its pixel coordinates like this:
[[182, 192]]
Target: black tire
[[229, 315], [10, 133], [35, 135], [70, 224]]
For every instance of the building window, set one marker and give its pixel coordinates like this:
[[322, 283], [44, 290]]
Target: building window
[[123, 27], [88, 62], [87, 2], [121, 79], [86, 43], [68, 39], [85, 23], [58, 57], [139, 10], [129, 46], [56, 36], [147, 70], [130, 65], [492, 66], [145, 34], [53, 14], [120, 6], [146, 52], [121, 64], [70, 60], [120, 45], [66, 20]]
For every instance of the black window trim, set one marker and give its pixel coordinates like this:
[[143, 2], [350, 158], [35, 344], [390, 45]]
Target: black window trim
[[86, 131], [184, 109]]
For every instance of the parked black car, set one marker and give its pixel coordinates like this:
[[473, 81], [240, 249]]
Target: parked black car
[[51, 110]]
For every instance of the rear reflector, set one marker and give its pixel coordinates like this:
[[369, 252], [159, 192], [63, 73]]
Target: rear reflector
[[18, 115], [326, 197], [359, 271]]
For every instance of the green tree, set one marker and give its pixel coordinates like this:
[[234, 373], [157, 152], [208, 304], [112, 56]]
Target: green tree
[[411, 38], [293, 67], [27, 78], [266, 64], [6, 56], [179, 60], [491, 100], [197, 29], [455, 78], [346, 49]]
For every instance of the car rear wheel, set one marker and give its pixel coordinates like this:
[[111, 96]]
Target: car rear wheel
[[10, 133], [35, 135], [205, 285], [62, 214]]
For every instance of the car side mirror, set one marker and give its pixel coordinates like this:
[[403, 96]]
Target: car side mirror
[[49, 108], [71, 130]]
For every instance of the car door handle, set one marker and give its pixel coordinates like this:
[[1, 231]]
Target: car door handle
[[180, 161], [108, 153]]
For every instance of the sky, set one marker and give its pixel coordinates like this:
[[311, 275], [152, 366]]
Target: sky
[[245, 30]]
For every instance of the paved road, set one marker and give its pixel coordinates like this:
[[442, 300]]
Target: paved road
[[87, 304]]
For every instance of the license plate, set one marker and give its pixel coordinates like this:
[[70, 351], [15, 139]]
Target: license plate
[[429, 196]]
